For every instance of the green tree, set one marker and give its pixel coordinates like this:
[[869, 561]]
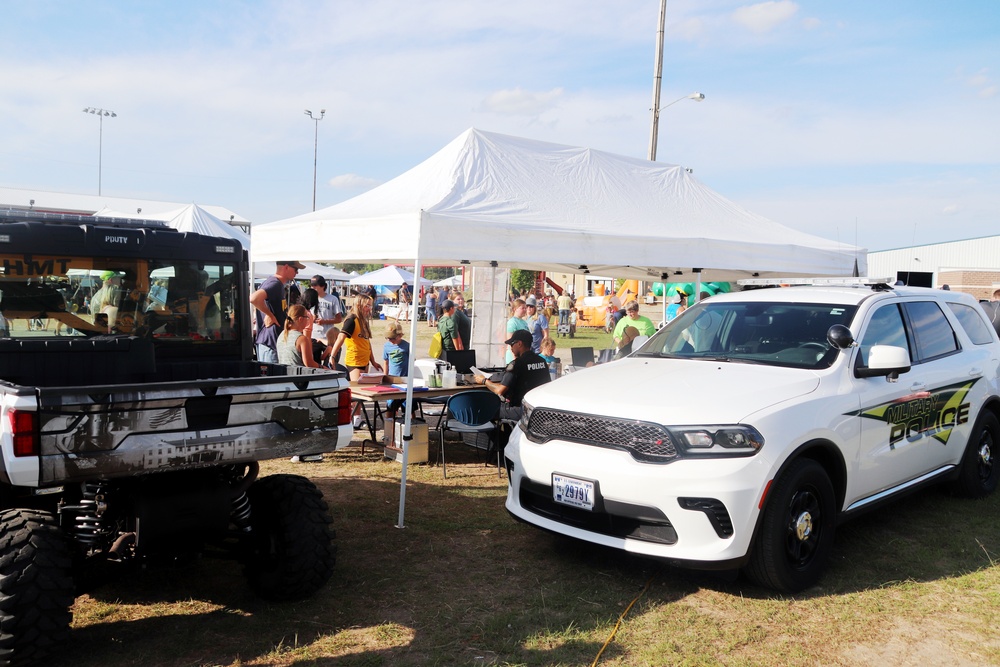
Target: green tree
[[523, 281]]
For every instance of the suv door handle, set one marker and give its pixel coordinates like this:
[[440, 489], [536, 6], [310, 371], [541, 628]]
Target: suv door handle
[[975, 372], [918, 386]]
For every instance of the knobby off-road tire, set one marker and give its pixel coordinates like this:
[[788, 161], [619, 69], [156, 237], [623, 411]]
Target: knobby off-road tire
[[36, 585], [291, 550], [796, 534], [978, 473]]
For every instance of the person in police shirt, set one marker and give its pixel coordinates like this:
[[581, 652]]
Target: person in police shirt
[[527, 371]]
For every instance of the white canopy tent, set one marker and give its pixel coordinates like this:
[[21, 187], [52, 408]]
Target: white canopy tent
[[190, 218], [390, 276], [528, 204], [450, 281], [488, 199]]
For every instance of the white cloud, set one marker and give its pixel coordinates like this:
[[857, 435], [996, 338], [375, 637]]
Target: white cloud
[[765, 16], [352, 182], [951, 209], [520, 102], [989, 91], [810, 23]]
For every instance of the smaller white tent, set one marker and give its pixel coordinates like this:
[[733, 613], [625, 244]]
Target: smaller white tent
[[190, 218], [391, 275], [450, 281]]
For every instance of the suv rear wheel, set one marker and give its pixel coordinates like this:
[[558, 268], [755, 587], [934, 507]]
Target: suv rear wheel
[[978, 474]]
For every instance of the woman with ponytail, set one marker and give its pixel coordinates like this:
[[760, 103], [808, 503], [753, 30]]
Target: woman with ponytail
[[295, 349]]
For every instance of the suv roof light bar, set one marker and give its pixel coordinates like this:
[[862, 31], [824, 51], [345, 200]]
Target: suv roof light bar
[[838, 282]]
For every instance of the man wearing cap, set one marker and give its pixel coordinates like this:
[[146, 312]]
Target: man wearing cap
[[269, 301], [527, 371], [538, 324], [109, 293]]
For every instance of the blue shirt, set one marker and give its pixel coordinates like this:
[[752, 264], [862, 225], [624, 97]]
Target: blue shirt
[[397, 357]]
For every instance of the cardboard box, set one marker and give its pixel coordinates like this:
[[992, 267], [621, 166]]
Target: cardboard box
[[418, 446]]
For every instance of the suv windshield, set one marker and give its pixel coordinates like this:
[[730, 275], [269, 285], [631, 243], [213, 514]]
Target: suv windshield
[[88, 296], [776, 334]]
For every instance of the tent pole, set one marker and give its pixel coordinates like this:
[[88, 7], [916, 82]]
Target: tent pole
[[408, 406]]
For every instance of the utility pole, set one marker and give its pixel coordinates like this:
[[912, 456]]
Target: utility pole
[[657, 78], [322, 112]]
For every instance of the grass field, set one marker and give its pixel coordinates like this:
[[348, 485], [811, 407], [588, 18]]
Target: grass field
[[915, 583]]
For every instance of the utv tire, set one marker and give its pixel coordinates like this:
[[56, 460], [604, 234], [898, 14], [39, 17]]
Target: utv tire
[[795, 536], [978, 473], [36, 586], [290, 550]]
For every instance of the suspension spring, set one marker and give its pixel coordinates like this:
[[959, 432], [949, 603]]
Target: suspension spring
[[87, 528], [241, 512]]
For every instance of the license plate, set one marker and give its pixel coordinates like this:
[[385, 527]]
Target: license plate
[[573, 492]]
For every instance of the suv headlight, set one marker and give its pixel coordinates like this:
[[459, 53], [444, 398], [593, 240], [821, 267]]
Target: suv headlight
[[718, 440], [526, 410]]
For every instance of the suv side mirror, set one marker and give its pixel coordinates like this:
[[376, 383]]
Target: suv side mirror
[[887, 360], [840, 337]]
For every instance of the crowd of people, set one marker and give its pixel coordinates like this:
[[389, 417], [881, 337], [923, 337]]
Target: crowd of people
[[313, 329]]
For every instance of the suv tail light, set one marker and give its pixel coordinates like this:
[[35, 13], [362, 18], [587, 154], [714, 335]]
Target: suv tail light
[[344, 407], [24, 432]]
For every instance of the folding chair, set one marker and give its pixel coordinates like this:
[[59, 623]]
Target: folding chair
[[474, 412]]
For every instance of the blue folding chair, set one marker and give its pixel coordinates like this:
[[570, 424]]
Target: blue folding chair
[[473, 411]]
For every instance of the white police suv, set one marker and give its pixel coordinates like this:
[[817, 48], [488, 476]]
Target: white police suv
[[744, 431]]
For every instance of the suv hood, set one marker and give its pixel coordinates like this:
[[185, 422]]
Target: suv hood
[[675, 391]]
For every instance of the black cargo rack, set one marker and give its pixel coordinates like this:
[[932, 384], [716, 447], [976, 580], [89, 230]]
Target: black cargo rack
[[11, 215]]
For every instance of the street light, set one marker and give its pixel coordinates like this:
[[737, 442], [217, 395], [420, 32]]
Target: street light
[[697, 97], [100, 113], [322, 112]]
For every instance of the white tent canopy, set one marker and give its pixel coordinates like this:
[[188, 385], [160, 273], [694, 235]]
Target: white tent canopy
[[528, 204], [390, 276]]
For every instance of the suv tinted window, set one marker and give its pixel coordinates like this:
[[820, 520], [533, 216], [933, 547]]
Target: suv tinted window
[[972, 321], [932, 333], [884, 328]]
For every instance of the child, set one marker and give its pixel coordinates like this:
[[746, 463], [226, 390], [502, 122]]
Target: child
[[396, 353], [548, 347]]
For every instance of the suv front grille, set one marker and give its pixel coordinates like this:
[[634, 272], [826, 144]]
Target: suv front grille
[[645, 441]]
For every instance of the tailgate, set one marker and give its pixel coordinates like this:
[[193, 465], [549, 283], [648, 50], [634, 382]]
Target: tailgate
[[119, 430]]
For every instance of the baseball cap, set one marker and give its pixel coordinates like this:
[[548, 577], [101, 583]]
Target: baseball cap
[[107, 274], [530, 301], [297, 265], [519, 335]]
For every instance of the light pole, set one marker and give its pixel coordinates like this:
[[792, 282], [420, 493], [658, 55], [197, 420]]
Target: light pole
[[322, 112], [697, 97], [101, 113]]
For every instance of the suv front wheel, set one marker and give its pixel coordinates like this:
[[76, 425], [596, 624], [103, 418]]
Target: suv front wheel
[[796, 535]]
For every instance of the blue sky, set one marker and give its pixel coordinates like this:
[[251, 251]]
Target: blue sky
[[867, 122]]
